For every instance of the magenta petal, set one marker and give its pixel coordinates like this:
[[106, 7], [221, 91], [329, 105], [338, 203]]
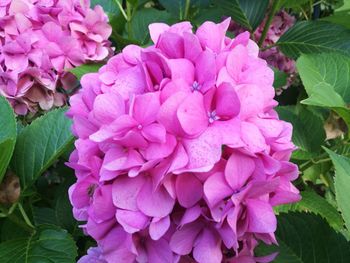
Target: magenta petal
[[261, 216], [156, 203], [238, 169], [206, 70], [227, 102], [188, 189], [159, 227], [208, 247], [190, 215], [192, 115], [156, 29]]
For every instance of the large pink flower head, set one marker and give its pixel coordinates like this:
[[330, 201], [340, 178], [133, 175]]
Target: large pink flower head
[[275, 58], [180, 156], [39, 40]]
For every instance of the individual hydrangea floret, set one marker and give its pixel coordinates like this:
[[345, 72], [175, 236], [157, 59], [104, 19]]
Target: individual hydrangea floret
[[180, 155], [39, 41], [281, 22]]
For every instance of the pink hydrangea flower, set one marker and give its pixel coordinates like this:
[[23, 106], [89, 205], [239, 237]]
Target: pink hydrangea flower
[[180, 155], [280, 24], [39, 41]]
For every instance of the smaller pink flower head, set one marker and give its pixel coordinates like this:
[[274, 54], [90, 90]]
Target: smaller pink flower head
[[39, 41]]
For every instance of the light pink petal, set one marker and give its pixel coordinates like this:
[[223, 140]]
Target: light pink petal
[[156, 203], [188, 189], [182, 240], [146, 108], [203, 152], [190, 215], [118, 246], [131, 221], [159, 251], [238, 169], [154, 132], [235, 61], [192, 115], [171, 44], [156, 29], [107, 107], [261, 216], [216, 189], [253, 138], [125, 191], [159, 227], [208, 247]]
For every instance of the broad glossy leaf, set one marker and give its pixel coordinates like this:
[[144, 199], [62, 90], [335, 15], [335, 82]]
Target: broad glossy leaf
[[47, 244], [315, 37], [292, 3], [308, 132], [84, 69], [8, 135], [141, 21], [248, 13], [326, 81], [40, 144], [305, 238], [342, 184], [314, 203], [109, 6]]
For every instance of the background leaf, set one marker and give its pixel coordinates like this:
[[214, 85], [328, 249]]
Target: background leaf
[[141, 21], [308, 132], [248, 13], [84, 69], [48, 244], [305, 238], [314, 203], [326, 81], [40, 144], [7, 135], [314, 37], [342, 184]]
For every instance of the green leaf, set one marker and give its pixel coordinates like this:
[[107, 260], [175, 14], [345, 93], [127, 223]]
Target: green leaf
[[314, 37], [342, 184], [326, 81], [49, 244], [84, 69], [292, 3], [177, 8], [314, 203], [141, 21], [341, 18], [8, 135], [44, 215], [248, 13], [308, 132], [305, 238], [40, 144], [280, 78], [109, 6]]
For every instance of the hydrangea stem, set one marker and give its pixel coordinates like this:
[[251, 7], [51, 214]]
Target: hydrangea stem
[[272, 13], [187, 9]]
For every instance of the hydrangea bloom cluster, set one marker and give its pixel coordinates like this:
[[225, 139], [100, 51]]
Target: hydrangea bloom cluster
[[280, 24], [180, 155], [39, 39]]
